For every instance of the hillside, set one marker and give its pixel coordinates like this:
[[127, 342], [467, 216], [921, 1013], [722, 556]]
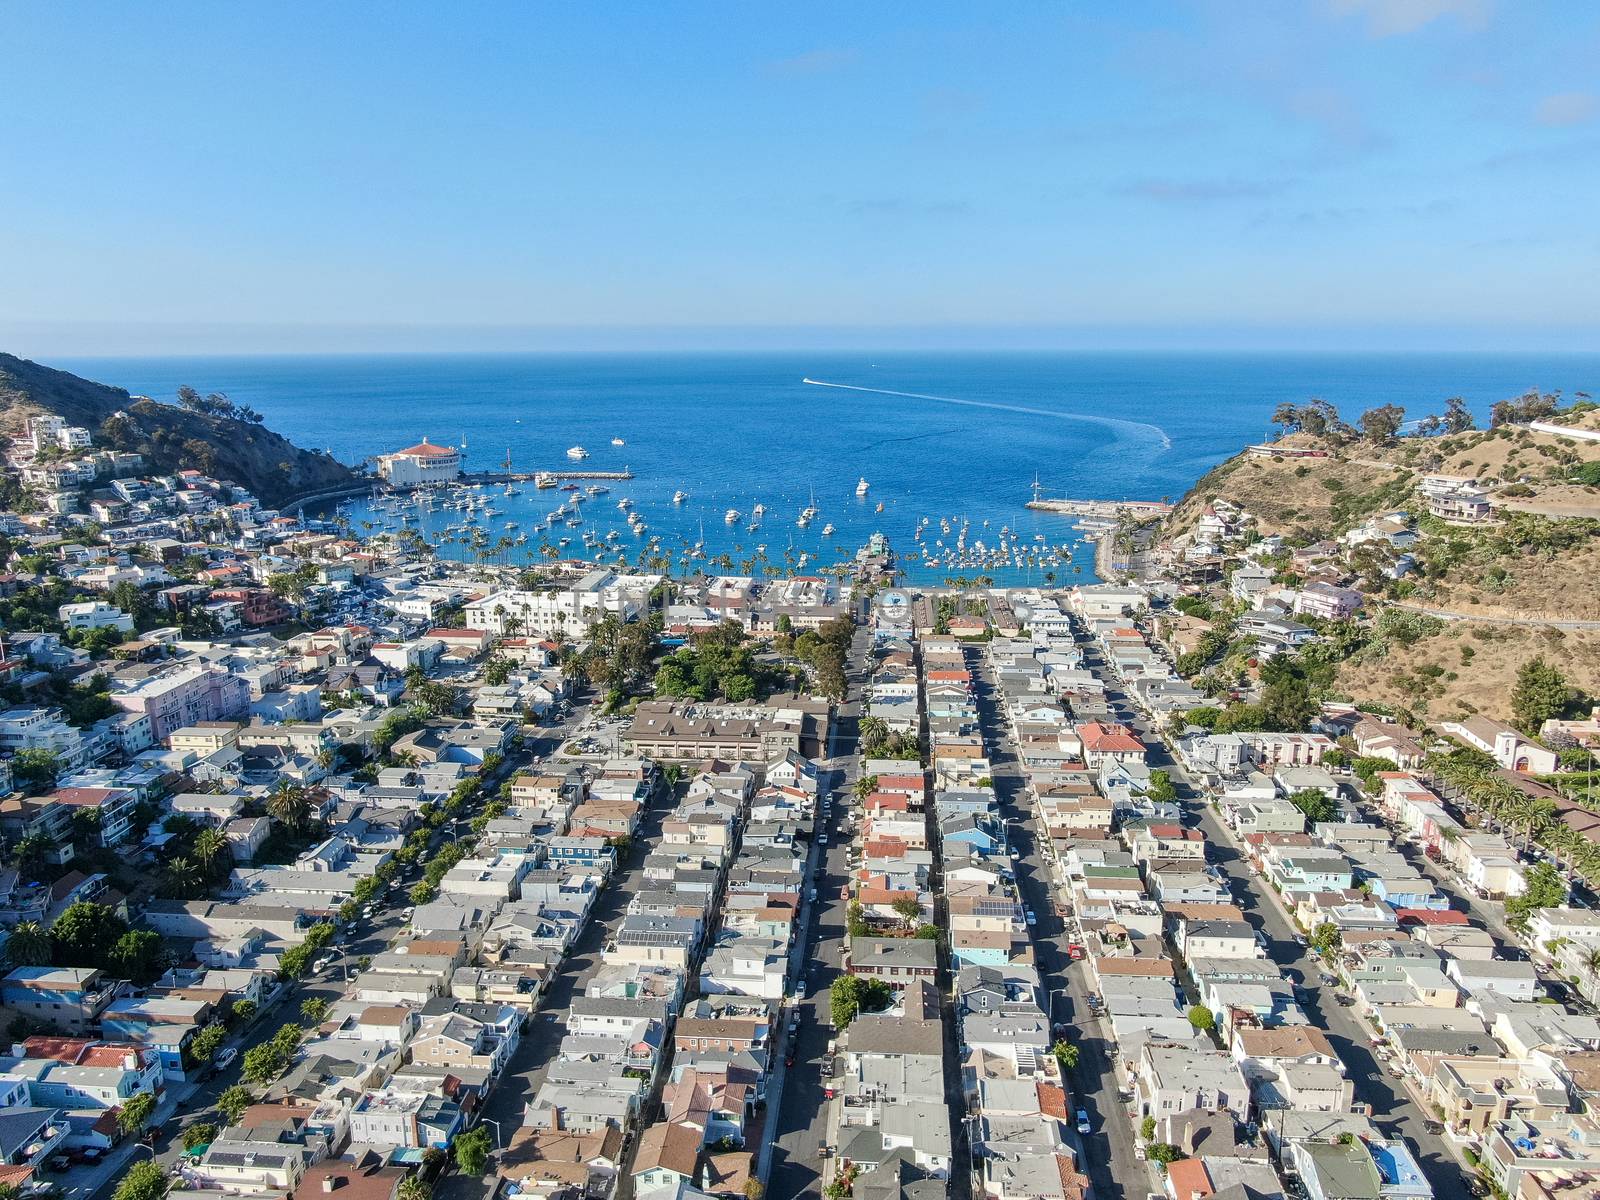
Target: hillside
[[169, 437], [1469, 667], [1513, 579], [1311, 497]]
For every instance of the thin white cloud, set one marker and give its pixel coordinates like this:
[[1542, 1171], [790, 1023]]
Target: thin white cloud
[[1567, 108], [1200, 191], [824, 61], [1393, 18]]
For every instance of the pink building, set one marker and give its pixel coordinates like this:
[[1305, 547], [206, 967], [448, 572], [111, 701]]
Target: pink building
[[185, 695]]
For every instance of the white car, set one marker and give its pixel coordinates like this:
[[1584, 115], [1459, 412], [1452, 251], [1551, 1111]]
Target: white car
[[822, 839], [1032, 920], [225, 1058], [1083, 1120]]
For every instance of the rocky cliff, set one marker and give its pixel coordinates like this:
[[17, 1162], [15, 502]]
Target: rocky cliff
[[170, 437]]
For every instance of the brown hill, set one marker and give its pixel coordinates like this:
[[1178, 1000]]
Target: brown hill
[[170, 438]]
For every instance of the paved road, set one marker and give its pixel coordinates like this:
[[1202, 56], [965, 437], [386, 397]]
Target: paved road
[[1394, 1112], [802, 1125], [1107, 1153], [197, 1102], [525, 1073], [1448, 614]]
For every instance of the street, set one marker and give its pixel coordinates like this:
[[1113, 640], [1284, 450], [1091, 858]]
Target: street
[[1393, 1111], [802, 1125], [1107, 1153], [189, 1103]]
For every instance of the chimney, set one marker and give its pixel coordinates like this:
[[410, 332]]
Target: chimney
[[330, 1182], [130, 1062], [18, 1050]]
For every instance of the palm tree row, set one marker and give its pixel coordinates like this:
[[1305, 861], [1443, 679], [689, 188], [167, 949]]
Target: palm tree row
[[1469, 781]]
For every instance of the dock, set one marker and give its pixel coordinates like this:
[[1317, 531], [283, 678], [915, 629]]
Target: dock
[[531, 476], [1107, 509]]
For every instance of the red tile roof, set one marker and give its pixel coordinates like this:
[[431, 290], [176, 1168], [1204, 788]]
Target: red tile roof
[[425, 449]]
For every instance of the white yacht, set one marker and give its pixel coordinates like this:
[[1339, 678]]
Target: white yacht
[[863, 486], [577, 452], [618, 442], [827, 530], [679, 496], [732, 516]]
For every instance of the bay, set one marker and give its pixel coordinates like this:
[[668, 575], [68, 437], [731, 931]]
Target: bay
[[959, 437]]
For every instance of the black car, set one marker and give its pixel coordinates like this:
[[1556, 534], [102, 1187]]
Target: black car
[[1433, 1127]]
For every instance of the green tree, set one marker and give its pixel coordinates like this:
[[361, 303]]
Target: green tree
[[497, 670], [86, 934], [207, 1042], [314, 1009], [472, 1150], [243, 1010], [135, 1113], [263, 1063], [1066, 1054], [144, 1180], [413, 1188], [139, 955], [287, 1040], [1147, 1129], [1202, 1018], [1543, 887], [1326, 939], [1382, 424], [1161, 788], [232, 1103], [1457, 416], [35, 770], [1164, 1153], [1541, 692], [201, 1133], [908, 909], [1316, 805]]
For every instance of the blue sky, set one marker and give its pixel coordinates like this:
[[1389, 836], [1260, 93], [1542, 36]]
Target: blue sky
[[1361, 173]]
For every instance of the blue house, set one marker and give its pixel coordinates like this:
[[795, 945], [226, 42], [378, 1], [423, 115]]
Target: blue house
[[582, 851], [967, 829]]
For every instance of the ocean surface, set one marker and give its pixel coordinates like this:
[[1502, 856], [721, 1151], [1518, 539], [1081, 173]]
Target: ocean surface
[[958, 437]]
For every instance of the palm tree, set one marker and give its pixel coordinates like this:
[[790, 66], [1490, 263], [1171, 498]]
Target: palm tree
[[1538, 815], [183, 877], [209, 845], [30, 945], [32, 853], [290, 805]]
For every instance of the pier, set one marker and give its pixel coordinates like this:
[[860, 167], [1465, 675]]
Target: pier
[[534, 476], [1108, 509]]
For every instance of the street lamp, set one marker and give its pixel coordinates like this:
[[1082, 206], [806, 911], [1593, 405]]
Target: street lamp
[[496, 1124]]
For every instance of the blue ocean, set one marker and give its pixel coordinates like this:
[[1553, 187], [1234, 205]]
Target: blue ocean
[[956, 439]]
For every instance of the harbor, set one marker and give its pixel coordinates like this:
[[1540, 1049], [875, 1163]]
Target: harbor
[[683, 525]]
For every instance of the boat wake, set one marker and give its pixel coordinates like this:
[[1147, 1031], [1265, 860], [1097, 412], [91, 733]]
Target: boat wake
[[1142, 428]]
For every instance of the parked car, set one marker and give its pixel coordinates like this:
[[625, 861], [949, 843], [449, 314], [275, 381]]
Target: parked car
[[225, 1057], [1031, 919], [1083, 1120]]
